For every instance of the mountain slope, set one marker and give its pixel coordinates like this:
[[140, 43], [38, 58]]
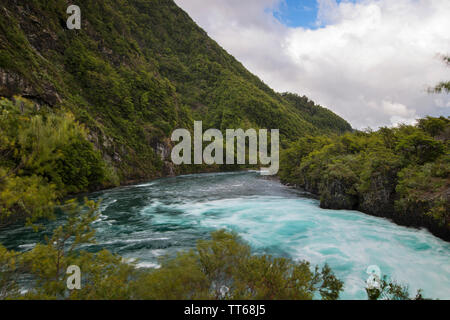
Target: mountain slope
[[136, 71]]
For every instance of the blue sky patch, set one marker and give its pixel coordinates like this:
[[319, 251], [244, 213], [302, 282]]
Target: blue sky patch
[[299, 13]]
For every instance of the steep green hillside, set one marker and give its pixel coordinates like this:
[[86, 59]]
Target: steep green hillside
[[134, 72]]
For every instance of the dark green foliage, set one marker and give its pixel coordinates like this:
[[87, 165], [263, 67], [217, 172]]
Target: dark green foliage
[[43, 157], [318, 115], [419, 147], [435, 127], [79, 168], [425, 189], [400, 173]]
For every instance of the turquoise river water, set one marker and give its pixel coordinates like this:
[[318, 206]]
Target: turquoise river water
[[164, 216]]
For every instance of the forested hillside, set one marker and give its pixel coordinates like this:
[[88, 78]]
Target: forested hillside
[[399, 173], [134, 72]]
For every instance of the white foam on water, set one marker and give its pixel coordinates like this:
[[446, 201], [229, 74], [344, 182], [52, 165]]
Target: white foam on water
[[145, 184], [349, 241], [148, 265], [127, 241], [27, 246]]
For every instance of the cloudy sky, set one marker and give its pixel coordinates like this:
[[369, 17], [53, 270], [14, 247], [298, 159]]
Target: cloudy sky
[[370, 61]]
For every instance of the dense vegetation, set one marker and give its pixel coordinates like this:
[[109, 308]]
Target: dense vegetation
[[319, 116], [134, 72], [43, 157], [401, 173]]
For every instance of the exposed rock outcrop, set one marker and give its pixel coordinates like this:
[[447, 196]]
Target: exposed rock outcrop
[[378, 199], [336, 194], [12, 84]]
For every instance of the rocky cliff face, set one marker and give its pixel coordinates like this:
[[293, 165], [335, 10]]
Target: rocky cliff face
[[379, 198], [163, 150], [336, 194], [12, 83]]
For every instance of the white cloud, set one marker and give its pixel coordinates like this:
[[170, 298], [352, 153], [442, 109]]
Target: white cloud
[[328, 12], [397, 109], [372, 62]]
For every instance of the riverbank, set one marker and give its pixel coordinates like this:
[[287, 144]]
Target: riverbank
[[394, 217], [401, 173]]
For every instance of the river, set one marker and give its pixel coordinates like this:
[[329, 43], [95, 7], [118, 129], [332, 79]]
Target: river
[[165, 216]]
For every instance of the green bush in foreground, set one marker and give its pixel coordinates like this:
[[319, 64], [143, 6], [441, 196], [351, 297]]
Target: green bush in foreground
[[224, 268]]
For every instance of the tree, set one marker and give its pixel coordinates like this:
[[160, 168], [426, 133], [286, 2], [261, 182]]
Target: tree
[[444, 85], [104, 275], [434, 126], [43, 156], [224, 268], [391, 290], [419, 147], [8, 274]]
